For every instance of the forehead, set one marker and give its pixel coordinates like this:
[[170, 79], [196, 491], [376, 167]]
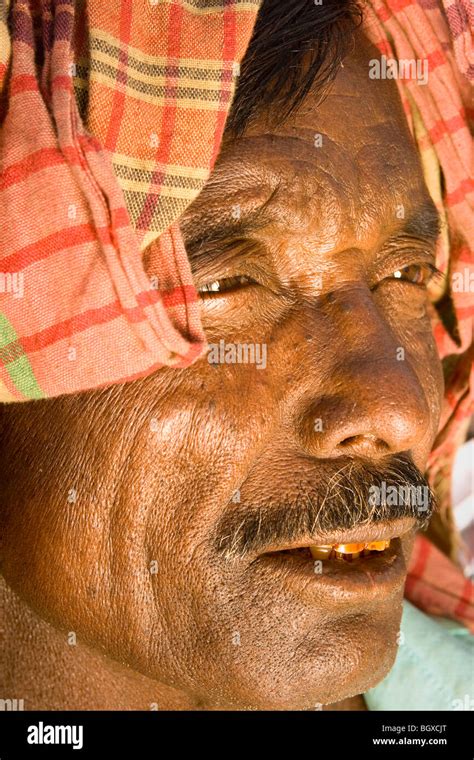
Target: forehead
[[349, 160]]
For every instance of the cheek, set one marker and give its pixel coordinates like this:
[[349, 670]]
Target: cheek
[[427, 365], [206, 436], [407, 310]]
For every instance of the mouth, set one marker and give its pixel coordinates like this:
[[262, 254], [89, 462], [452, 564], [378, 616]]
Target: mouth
[[367, 563], [346, 552]]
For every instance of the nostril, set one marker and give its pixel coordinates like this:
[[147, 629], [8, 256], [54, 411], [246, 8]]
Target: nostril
[[360, 441], [349, 441]]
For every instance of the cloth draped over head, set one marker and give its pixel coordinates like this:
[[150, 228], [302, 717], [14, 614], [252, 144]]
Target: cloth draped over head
[[111, 118]]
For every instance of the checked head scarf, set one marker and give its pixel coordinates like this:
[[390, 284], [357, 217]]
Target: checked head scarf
[[111, 119]]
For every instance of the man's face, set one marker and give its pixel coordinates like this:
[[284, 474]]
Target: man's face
[[136, 494]]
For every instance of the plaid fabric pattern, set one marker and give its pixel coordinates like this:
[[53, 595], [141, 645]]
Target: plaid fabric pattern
[[154, 85], [154, 81], [460, 15], [440, 115], [437, 586]]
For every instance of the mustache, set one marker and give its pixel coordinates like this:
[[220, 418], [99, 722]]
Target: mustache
[[359, 493]]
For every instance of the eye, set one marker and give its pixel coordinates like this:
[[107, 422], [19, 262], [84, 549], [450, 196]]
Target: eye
[[417, 274], [225, 284]]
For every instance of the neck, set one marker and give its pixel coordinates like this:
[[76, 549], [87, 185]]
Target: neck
[[40, 667]]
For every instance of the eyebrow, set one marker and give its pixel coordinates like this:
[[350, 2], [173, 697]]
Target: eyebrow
[[424, 223], [214, 235], [223, 240], [226, 237]]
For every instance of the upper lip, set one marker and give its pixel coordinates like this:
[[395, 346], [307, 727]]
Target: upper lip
[[383, 531]]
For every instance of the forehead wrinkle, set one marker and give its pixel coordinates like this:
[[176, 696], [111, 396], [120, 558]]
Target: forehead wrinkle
[[335, 184], [291, 199], [294, 189]]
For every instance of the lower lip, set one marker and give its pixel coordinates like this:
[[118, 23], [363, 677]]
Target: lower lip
[[369, 578]]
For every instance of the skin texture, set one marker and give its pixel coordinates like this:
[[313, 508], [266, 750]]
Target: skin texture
[[154, 464]]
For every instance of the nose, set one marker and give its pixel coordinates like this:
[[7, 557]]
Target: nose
[[365, 398]]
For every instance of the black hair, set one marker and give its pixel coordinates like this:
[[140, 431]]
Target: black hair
[[275, 69]]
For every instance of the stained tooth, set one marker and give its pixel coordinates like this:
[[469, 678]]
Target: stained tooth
[[347, 551], [321, 552], [378, 546], [348, 548]]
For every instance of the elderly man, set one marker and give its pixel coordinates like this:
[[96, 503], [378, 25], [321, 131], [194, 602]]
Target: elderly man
[[236, 534]]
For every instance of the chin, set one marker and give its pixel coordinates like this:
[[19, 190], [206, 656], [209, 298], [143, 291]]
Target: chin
[[338, 662]]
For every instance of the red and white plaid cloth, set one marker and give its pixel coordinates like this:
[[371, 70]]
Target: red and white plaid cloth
[[436, 586], [111, 119]]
